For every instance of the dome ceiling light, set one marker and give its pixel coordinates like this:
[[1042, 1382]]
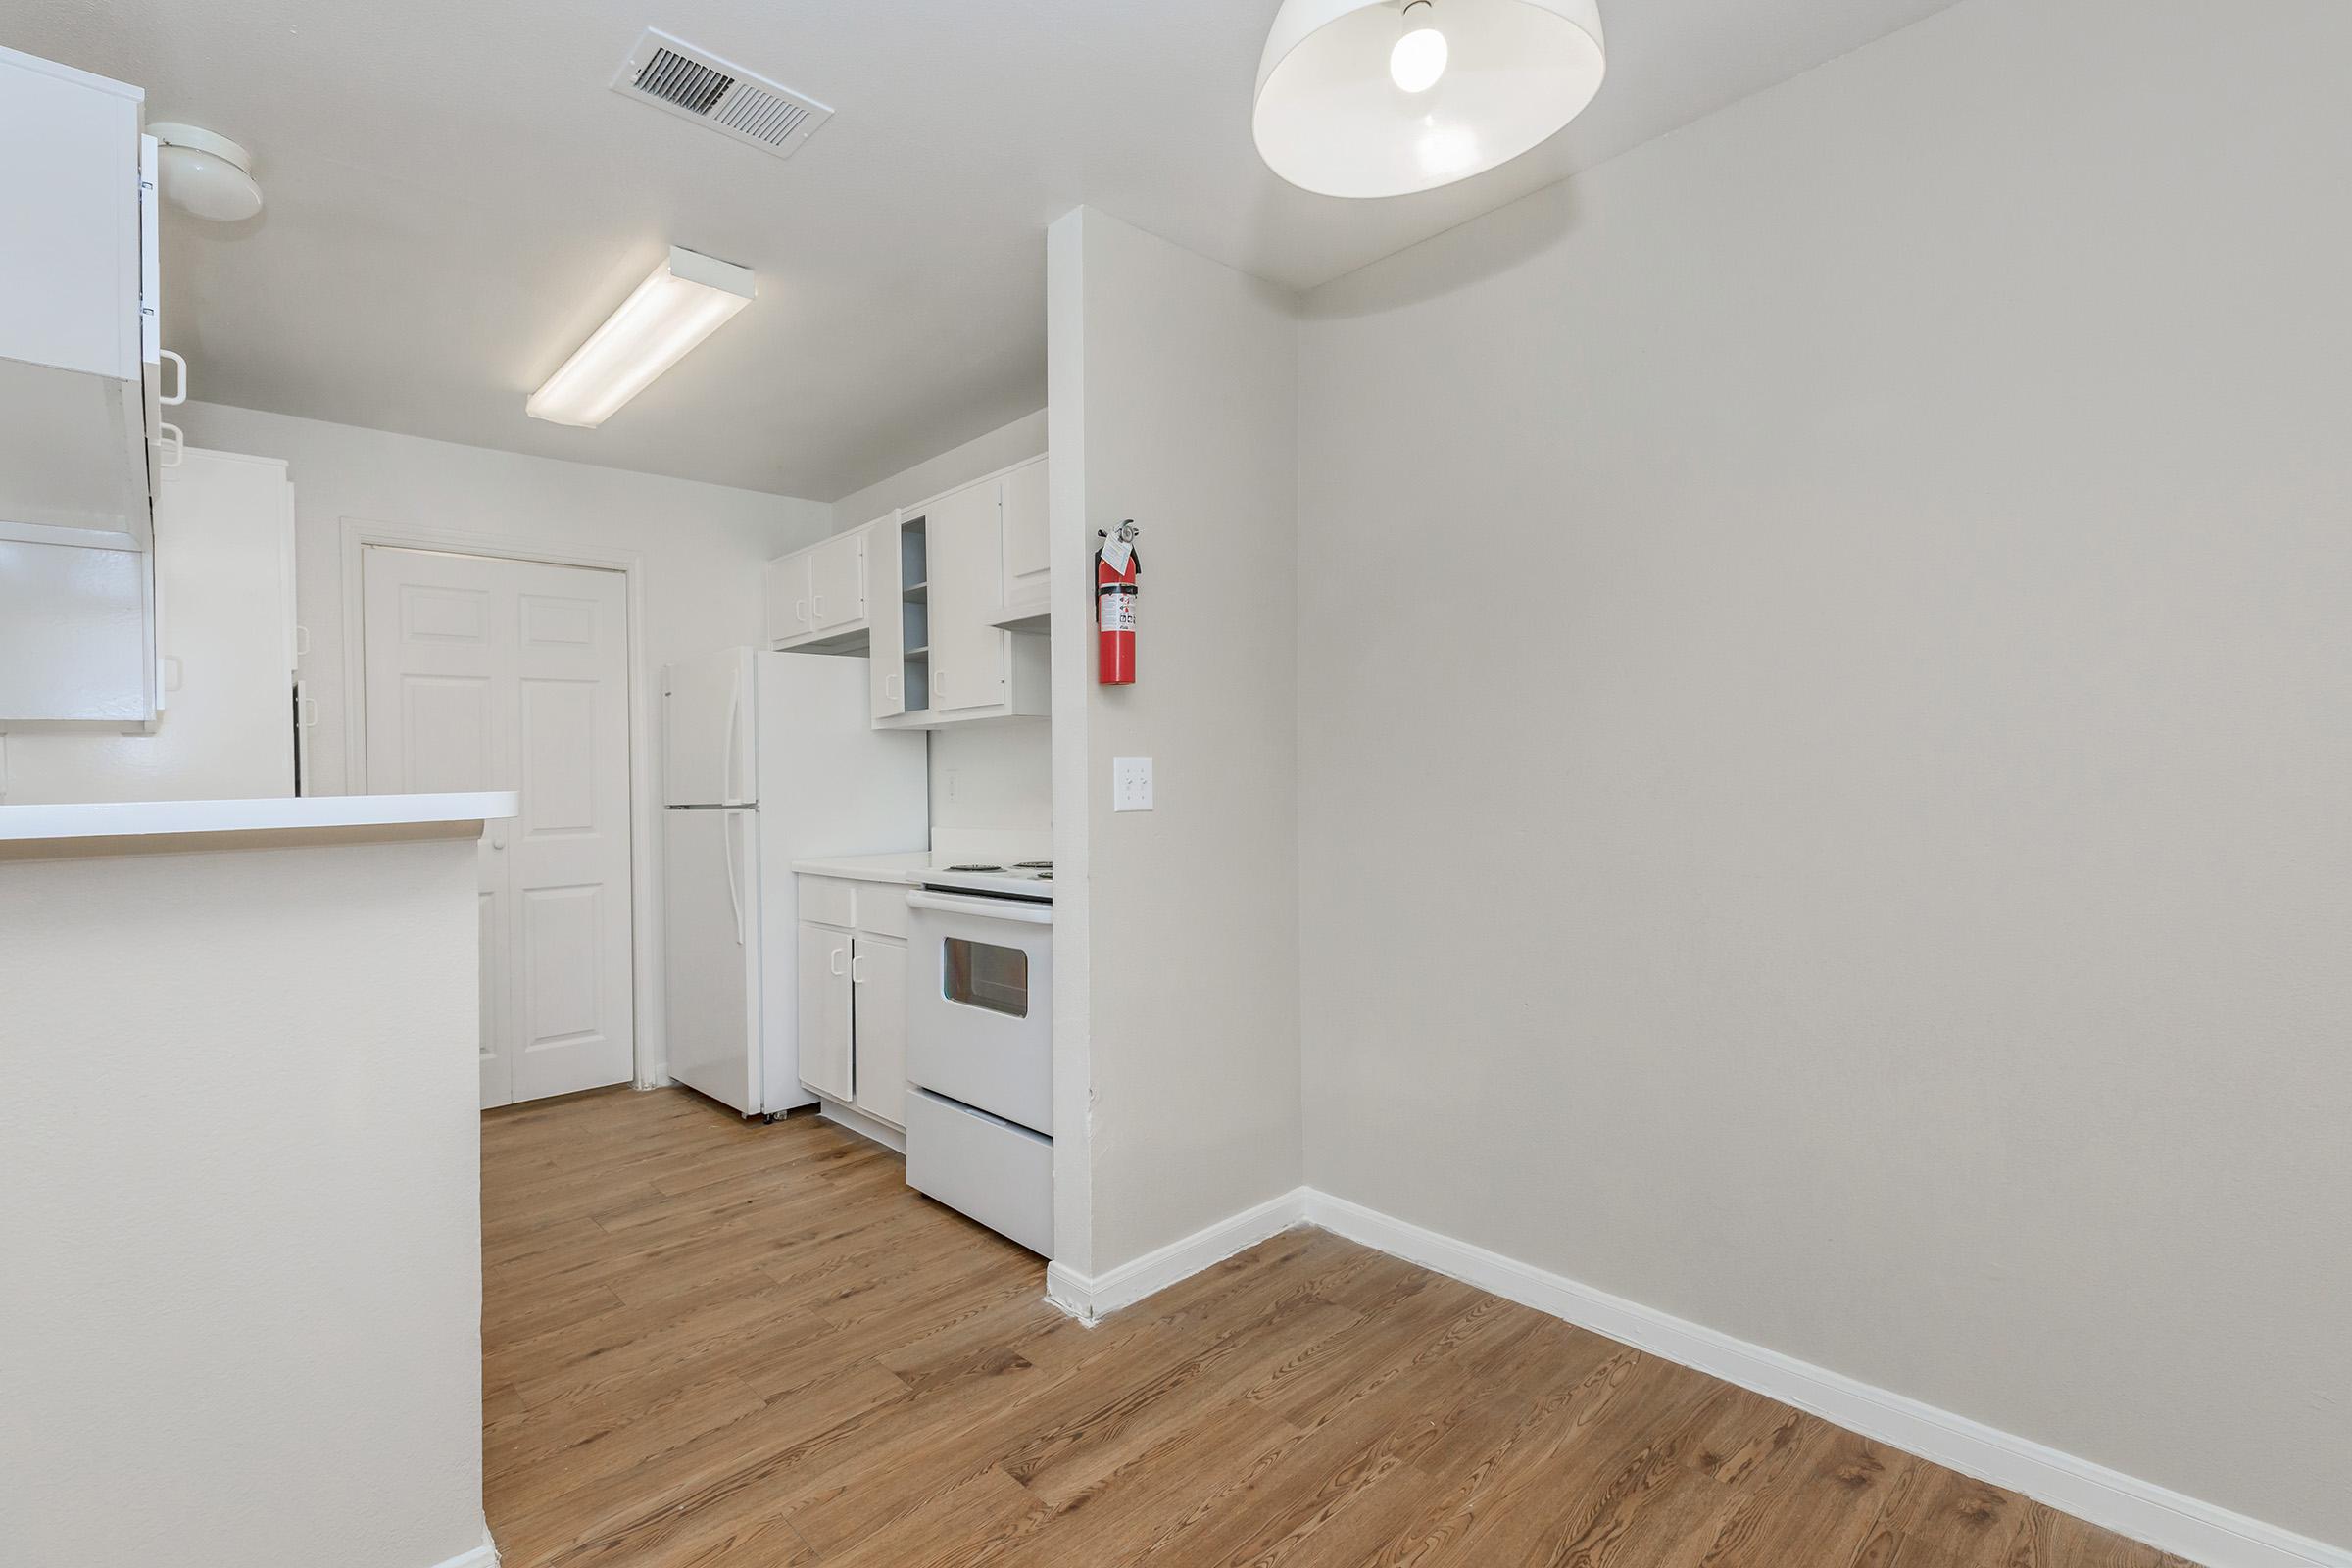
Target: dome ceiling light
[[205, 175], [1386, 97]]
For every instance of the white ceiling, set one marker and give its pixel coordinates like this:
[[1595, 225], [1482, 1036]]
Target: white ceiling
[[456, 198]]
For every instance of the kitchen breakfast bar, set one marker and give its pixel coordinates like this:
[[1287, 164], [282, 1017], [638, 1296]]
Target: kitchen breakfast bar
[[260, 1018]]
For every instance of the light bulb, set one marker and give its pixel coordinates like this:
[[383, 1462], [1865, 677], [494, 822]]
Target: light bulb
[[1418, 58]]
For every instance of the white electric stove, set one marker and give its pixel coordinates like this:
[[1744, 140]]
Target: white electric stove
[[980, 1043]]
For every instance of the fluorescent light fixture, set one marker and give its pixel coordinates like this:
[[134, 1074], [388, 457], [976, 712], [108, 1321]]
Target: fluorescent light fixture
[[686, 300]]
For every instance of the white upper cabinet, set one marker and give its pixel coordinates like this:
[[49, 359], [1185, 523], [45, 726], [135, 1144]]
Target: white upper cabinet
[[79, 334], [928, 593], [837, 592], [1028, 549], [70, 250], [790, 584], [892, 623], [968, 655], [816, 598]]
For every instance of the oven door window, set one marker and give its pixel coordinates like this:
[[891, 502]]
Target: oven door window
[[980, 975]]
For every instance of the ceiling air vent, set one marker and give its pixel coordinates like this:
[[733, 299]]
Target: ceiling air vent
[[701, 87]]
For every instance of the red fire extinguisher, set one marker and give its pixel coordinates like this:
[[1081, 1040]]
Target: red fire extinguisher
[[1117, 569]]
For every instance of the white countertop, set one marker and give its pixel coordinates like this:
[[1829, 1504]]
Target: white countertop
[[867, 867], [147, 818]]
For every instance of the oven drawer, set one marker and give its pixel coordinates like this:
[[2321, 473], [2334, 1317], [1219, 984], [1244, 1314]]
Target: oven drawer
[[982, 1165]]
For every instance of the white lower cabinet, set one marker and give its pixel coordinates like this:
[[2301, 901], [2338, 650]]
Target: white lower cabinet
[[853, 995], [828, 1064], [878, 1027]]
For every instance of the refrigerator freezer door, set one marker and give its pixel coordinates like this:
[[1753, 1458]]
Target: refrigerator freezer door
[[711, 933], [708, 731]]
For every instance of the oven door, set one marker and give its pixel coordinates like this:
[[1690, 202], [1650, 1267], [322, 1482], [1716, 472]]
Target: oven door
[[980, 1004]]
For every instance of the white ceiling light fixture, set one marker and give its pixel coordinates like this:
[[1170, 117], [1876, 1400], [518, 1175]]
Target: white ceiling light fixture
[[688, 297], [204, 174], [1366, 98]]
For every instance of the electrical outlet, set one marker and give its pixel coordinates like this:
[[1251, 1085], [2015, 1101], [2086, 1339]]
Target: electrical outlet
[[1131, 783]]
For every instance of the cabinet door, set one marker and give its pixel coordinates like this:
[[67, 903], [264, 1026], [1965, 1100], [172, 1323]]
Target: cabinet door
[[967, 649], [69, 271], [824, 1013], [837, 581], [880, 968], [788, 580], [885, 614], [1028, 556]]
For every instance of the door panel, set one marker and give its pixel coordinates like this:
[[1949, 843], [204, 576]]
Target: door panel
[[445, 723], [880, 972], [488, 673], [824, 1012]]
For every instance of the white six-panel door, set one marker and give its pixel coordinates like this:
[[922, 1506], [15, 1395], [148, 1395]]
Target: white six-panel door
[[488, 673]]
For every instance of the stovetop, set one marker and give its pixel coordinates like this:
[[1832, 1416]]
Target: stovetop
[[1018, 879]]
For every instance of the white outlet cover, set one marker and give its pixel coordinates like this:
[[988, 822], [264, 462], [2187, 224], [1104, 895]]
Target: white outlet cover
[[1131, 783]]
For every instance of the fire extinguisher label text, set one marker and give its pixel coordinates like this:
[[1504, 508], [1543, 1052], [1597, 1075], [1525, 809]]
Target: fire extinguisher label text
[[1118, 611]]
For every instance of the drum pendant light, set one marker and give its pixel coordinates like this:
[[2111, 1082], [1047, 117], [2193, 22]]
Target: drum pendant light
[[1388, 97]]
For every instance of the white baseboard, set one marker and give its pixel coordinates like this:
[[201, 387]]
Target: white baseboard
[[484, 1555], [2146, 1512], [1088, 1300]]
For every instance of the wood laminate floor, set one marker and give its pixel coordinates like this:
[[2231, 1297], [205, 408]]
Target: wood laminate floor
[[712, 1343]]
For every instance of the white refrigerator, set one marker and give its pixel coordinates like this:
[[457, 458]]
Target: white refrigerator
[[768, 758]]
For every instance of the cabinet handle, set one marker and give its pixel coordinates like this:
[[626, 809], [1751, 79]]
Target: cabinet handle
[[800, 611], [857, 974], [305, 711], [174, 673], [939, 681], [819, 603], [171, 443], [890, 685], [834, 964], [181, 396]]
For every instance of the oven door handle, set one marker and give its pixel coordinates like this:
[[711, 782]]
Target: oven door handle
[[985, 909]]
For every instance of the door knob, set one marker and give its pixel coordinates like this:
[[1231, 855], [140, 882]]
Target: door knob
[[497, 838]]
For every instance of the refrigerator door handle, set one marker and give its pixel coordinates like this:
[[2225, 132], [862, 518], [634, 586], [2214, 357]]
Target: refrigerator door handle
[[727, 790], [734, 893]]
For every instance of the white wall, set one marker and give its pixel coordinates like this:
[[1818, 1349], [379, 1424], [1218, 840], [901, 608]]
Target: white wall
[[995, 777], [1174, 379], [1824, 672], [1001, 448], [239, 1208], [701, 547]]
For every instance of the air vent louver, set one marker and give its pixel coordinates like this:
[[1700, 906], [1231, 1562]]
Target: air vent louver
[[698, 85]]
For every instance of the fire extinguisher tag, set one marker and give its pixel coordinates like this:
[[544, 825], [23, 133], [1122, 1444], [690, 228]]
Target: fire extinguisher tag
[[1118, 611], [1115, 555]]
